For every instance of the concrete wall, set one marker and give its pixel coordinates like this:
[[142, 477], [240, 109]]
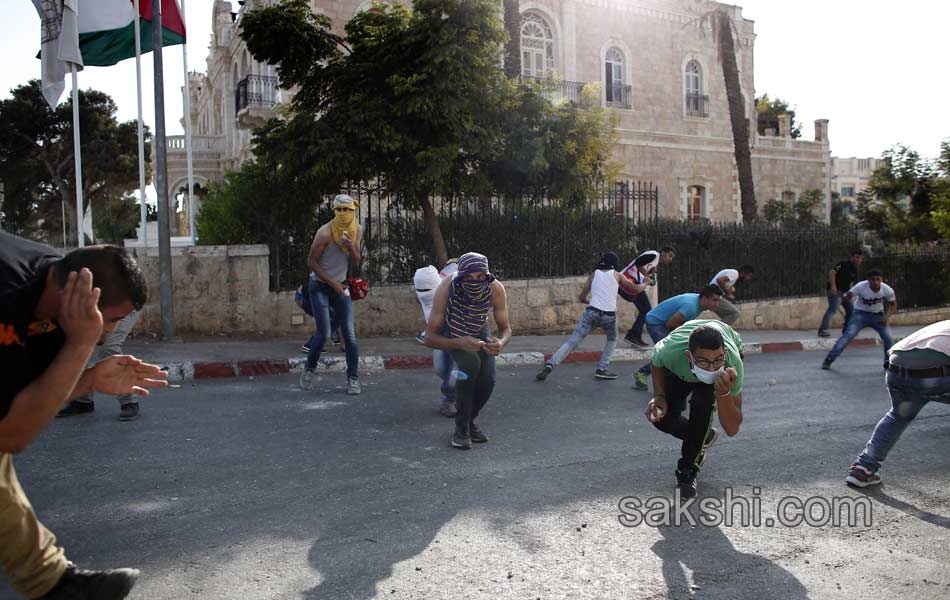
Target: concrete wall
[[224, 290]]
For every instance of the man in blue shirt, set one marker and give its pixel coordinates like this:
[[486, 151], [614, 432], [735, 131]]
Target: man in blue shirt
[[670, 314]]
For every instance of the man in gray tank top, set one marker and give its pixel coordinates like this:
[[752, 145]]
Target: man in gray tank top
[[335, 247]]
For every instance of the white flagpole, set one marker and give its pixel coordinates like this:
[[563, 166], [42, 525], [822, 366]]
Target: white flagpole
[[76, 156], [187, 107], [143, 211]]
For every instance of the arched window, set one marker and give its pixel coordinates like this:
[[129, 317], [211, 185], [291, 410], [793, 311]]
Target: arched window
[[613, 78], [695, 199], [696, 101], [537, 46]]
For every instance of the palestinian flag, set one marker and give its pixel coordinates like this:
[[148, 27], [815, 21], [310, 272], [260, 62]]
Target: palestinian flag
[[107, 29]]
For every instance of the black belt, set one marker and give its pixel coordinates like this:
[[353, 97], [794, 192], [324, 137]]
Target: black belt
[[602, 312], [943, 371]]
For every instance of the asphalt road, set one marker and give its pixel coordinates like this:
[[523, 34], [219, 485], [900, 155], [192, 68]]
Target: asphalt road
[[256, 489]]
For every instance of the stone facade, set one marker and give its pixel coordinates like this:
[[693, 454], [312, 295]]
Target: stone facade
[[850, 177], [655, 60], [224, 290]]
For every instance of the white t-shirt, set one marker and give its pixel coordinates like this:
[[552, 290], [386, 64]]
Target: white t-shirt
[[603, 290], [934, 337], [647, 262], [870, 301], [730, 274]]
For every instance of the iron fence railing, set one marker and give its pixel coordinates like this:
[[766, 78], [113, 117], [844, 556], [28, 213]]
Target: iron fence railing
[[697, 105], [618, 95], [256, 90]]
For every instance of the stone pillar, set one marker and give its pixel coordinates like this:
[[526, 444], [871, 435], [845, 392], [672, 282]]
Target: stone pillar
[[821, 130], [569, 24], [785, 125]]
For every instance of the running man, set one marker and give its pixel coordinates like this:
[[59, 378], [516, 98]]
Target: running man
[[643, 271], [840, 279], [702, 361], [869, 296], [918, 371], [601, 312], [727, 280], [670, 314], [459, 324]]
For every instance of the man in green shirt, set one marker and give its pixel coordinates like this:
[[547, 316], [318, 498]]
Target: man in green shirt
[[700, 360]]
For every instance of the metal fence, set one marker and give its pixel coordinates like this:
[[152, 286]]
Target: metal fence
[[522, 237], [920, 278]]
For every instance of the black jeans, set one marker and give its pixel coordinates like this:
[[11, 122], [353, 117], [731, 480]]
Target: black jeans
[[693, 431], [642, 302], [473, 391]]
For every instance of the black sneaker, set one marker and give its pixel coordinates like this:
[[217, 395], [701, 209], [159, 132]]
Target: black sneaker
[[305, 349], [421, 338], [604, 374], [686, 483], [823, 333], [93, 585], [476, 434], [129, 411], [635, 341], [544, 372], [447, 408], [461, 439], [862, 477], [826, 364], [76, 408]]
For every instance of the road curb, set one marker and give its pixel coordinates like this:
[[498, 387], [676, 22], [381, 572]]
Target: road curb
[[191, 371]]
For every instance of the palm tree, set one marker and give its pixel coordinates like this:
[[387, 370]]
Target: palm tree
[[718, 19], [513, 47]]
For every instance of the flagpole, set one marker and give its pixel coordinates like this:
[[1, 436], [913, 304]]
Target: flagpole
[[77, 157], [161, 175], [143, 211], [187, 107]]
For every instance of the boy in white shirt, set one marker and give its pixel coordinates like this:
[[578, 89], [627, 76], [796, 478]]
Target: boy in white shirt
[[869, 297], [727, 279]]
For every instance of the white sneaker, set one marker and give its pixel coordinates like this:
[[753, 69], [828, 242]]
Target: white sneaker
[[353, 386], [307, 379]]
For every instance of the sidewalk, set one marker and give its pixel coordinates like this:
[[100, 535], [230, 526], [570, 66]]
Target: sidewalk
[[228, 357]]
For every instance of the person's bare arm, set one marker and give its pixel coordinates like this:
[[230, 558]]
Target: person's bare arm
[[675, 321], [657, 407], [120, 374], [353, 247], [586, 291], [628, 285], [434, 338], [832, 281], [321, 241], [728, 406], [499, 299], [727, 290], [37, 404], [890, 310]]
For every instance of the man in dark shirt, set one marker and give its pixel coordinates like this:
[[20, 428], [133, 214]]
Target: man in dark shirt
[[51, 318], [840, 280]]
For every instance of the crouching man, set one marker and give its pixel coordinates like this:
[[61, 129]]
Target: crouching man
[[700, 361]]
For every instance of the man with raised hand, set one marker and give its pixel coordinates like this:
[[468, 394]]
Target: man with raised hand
[[51, 318], [700, 361]]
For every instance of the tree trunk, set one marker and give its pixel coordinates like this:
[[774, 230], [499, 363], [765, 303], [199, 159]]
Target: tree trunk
[[432, 220], [513, 47], [740, 125]]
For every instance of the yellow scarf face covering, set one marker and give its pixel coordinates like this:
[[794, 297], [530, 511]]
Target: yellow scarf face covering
[[343, 221]]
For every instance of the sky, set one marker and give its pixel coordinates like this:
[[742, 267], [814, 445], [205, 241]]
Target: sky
[[862, 65]]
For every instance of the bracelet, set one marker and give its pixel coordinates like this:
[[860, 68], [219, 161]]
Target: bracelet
[[726, 395]]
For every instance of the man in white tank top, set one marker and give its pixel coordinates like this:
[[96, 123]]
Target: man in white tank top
[[602, 285]]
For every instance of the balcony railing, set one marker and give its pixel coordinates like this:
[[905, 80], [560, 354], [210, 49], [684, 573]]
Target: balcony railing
[[559, 91], [256, 90], [697, 105], [618, 95]]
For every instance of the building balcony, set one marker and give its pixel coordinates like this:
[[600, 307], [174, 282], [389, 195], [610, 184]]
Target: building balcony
[[618, 95], [558, 91], [697, 105], [254, 100]]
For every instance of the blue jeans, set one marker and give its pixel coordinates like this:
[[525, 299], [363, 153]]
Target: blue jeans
[[657, 333], [908, 396], [834, 301], [590, 319], [642, 302], [443, 363], [859, 320], [321, 297]]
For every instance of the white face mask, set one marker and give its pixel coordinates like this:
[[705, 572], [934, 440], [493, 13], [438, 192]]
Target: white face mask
[[704, 376]]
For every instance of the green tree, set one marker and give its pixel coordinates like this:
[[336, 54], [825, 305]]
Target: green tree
[[37, 167], [839, 208], [800, 213], [768, 111], [940, 201], [902, 189], [777, 212]]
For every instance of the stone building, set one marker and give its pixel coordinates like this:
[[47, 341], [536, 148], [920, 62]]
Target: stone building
[[657, 65], [850, 177]]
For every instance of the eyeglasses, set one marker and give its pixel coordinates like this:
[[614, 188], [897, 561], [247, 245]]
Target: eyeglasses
[[705, 364]]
